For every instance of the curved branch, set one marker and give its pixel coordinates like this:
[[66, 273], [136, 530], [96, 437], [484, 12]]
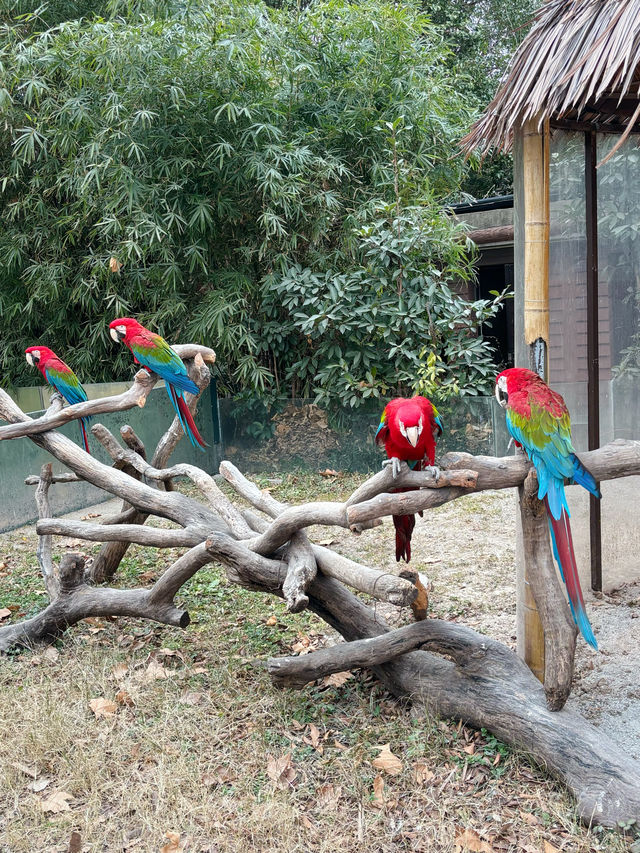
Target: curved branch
[[134, 396], [136, 534]]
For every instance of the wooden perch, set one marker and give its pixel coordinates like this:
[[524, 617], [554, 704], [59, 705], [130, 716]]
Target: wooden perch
[[134, 396], [454, 671]]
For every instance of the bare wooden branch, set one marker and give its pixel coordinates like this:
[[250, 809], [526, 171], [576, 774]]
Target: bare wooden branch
[[559, 629], [133, 441], [133, 533], [34, 479], [43, 551], [403, 503], [78, 601], [134, 396], [385, 586], [301, 570]]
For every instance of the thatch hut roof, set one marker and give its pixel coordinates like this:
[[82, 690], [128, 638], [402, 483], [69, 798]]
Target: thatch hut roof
[[580, 61]]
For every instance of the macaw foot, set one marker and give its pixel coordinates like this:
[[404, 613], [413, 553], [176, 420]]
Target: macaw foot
[[434, 471], [395, 465]]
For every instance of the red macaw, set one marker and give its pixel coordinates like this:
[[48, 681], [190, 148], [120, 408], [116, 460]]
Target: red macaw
[[408, 429], [156, 356], [63, 379], [538, 420]]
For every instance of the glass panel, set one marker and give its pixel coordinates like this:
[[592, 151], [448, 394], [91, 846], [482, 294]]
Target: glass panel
[[567, 278], [568, 310], [619, 342]]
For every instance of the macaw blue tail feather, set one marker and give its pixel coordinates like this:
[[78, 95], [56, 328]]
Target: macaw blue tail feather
[[185, 417], [553, 493], [565, 557], [584, 478]]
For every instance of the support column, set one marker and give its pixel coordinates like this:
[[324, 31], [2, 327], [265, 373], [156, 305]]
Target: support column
[[535, 169]]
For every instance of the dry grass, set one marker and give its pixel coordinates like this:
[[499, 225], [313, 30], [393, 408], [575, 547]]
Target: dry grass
[[188, 749]]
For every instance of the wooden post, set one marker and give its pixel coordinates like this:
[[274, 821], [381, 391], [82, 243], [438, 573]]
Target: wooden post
[[535, 156]]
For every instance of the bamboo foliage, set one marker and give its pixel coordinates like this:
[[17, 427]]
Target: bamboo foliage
[[579, 60]]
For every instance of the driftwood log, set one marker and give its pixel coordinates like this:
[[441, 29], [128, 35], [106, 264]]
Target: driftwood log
[[454, 671]]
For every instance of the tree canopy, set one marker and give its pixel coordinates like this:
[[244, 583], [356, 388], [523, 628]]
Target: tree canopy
[[267, 181]]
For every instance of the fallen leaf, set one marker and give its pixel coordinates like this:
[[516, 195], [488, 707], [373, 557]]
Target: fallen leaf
[[57, 802], [281, 771], [39, 784], [219, 776], [173, 845], [119, 671], [33, 772], [337, 679], [304, 820], [51, 654], [378, 792], [190, 697], [75, 842], [421, 773], [4, 613], [314, 736], [387, 761], [470, 750], [123, 697], [102, 707], [155, 671], [529, 818], [327, 796], [329, 472], [550, 848], [470, 840], [271, 621], [148, 576]]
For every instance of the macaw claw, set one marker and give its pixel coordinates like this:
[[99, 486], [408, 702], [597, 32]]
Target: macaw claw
[[434, 471], [395, 465]]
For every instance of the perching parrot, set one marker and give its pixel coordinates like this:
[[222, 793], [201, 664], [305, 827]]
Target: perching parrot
[[63, 379], [538, 420], [155, 355], [408, 429]]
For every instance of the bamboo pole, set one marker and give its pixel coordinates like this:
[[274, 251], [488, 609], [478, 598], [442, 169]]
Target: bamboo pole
[[535, 150]]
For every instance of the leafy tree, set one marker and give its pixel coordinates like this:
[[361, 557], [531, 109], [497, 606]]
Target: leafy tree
[[482, 36], [194, 168]]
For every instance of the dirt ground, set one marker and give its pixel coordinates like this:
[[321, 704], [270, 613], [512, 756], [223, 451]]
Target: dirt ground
[[202, 754]]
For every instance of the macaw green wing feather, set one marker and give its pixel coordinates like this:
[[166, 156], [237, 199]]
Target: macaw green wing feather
[[67, 383], [156, 354]]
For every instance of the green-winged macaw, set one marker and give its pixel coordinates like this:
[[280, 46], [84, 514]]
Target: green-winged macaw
[[408, 430], [538, 420], [155, 355], [62, 378]]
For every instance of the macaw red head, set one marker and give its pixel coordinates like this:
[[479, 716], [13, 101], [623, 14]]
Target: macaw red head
[[410, 421], [38, 356], [123, 328], [513, 380]]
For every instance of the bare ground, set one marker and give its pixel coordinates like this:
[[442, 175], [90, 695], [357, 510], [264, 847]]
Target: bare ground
[[197, 752]]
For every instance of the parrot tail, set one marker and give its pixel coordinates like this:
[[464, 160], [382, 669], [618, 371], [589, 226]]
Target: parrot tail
[[404, 525], [186, 418], [566, 560], [584, 478], [83, 430]]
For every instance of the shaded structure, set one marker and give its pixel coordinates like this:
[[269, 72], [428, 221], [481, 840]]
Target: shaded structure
[[568, 108]]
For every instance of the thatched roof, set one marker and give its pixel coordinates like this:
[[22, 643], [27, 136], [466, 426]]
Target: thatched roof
[[580, 61]]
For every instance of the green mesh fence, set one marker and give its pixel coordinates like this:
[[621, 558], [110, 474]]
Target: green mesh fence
[[297, 434]]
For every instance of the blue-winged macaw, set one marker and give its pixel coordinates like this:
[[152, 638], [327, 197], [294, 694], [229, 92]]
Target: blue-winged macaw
[[155, 355], [538, 420], [63, 379], [409, 429]]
